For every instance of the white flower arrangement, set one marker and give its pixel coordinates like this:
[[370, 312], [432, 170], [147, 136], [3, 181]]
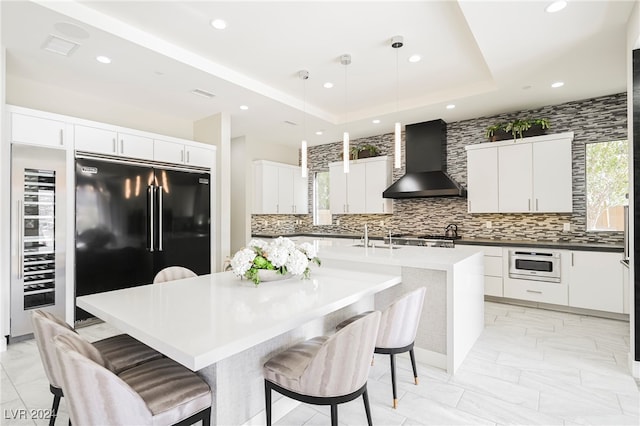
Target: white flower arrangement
[[280, 255]]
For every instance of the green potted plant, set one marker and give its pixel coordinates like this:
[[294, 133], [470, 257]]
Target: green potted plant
[[518, 128], [368, 150]]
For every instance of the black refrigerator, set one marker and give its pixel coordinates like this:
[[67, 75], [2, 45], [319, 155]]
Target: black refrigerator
[[134, 219]]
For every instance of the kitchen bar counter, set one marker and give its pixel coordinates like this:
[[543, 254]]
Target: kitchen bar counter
[[559, 245], [225, 328], [453, 312]]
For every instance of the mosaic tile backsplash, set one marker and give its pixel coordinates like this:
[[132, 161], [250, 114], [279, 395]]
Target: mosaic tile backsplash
[[592, 120]]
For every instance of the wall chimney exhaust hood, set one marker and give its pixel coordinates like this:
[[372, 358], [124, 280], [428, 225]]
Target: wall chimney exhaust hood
[[426, 154]]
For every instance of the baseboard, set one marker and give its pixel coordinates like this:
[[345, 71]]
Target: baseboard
[[428, 357], [559, 308], [279, 409]]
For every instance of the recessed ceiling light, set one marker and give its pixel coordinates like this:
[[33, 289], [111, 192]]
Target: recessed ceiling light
[[557, 84], [328, 85], [556, 6], [319, 132], [451, 106], [219, 24], [415, 58], [376, 121], [103, 59], [244, 107]]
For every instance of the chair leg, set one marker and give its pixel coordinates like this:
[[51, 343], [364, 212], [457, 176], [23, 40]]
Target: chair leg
[[267, 401], [334, 414], [206, 417], [367, 408], [413, 365], [392, 357], [54, 410]]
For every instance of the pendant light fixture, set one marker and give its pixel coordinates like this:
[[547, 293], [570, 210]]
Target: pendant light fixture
[[345, 60], [304, 76], [397, 42]]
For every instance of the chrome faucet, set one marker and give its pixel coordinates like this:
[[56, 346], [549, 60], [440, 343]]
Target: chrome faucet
[[366, 235]]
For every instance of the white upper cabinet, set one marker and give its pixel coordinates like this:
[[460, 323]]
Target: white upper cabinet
[[482, 180], [360, 190], [179, 153], [552, 180], [514, 178], [111, 142], [532, 175], [279, 189], [32, 130]]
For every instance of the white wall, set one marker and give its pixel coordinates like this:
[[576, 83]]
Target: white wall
[[243, 151], [216, 130], [5, 176], [30, 94], [633, 42]]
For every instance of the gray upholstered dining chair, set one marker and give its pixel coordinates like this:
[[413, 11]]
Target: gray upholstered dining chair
[[325, 370], [121, 352], [397, 332], [171, 273], [158, 392]]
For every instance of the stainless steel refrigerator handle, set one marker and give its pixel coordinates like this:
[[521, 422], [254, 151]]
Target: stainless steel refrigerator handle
[[160, 230], [151, 203], [20, 241]]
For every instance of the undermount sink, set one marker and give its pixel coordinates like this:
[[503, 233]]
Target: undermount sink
[[386, 246]]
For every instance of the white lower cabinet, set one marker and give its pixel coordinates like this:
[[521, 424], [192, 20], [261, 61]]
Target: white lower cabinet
[[492, 270], [595, 281]]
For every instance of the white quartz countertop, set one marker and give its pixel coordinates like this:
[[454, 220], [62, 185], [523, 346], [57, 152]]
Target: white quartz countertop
[[438, 258], [199, 321]]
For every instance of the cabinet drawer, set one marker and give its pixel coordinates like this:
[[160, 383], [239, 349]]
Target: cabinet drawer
[[494, 251], [536, 291], [493, 286], [493, 266]]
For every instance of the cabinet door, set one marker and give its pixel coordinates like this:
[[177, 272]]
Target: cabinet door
[[285, 190], [300, 193], [356, 188], [135, 146], [199, 156], [552, 184], [337, 190], [37, 131], [595, 281], [168, 152], [93, 139], [265, 189], [378, 178], [482, 180], [514, 178]]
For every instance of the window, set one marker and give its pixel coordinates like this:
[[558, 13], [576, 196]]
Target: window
[[607, 175], [321, 212]]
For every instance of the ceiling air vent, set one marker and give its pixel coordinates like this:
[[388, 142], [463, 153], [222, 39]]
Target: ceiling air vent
[[203, 93], [59, 45]]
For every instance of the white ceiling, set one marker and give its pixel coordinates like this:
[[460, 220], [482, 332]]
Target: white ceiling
[[486, 57]]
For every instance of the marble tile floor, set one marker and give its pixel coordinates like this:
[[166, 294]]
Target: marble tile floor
[[529, 366]]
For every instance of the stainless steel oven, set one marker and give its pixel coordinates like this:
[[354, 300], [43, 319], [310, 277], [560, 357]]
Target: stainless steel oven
[[535, 265]]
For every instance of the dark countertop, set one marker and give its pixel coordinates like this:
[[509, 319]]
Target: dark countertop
[[560, 245]]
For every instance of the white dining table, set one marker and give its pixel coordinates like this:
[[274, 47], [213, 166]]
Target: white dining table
[[225, 327]]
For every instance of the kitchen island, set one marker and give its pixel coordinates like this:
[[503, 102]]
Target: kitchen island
[[453, 312], [226, 328]]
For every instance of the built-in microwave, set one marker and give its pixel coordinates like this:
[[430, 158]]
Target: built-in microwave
[[534, 265]]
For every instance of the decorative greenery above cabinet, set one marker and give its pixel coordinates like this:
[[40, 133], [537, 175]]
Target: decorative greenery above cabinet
[[279, 189], [532, 175]]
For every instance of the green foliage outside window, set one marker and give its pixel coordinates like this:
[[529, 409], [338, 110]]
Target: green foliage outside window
[[607, 176]]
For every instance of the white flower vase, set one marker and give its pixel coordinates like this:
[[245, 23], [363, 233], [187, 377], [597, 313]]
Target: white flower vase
[[266, 275]]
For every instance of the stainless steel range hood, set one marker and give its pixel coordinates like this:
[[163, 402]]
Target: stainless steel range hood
[[426, 155]]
